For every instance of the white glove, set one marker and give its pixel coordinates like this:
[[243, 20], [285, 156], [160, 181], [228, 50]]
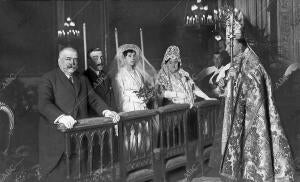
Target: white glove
[[115, 117], [111, 114], [171, 94], [67, 120], [209, 98]]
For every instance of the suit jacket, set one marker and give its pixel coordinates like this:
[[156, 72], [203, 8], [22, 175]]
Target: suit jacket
[[102, 86], [57, 95]]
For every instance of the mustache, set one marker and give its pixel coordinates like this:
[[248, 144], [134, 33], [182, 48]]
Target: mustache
[[71, 66]]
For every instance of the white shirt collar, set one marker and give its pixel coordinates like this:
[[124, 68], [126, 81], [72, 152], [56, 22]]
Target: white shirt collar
[[95, 71]]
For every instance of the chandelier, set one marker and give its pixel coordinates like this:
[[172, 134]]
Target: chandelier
[[200, 14], [69, 32]]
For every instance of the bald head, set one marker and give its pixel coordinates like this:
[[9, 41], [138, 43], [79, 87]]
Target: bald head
[[68, 60], [66, 50]]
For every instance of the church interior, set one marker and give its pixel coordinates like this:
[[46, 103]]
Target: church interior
[[32, 33]]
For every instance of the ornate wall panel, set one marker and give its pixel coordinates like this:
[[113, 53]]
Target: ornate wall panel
[[297, 29], [286, 29]]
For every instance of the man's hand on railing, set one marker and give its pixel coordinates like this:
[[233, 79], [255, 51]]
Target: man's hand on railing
[[67, 120], [115, 117], [111, 114]]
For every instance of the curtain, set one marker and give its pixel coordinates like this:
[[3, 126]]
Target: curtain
[[255, 11]]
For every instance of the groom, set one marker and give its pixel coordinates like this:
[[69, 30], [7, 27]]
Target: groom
[[99, 80]]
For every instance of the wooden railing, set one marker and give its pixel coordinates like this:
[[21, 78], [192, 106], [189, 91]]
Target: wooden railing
[[150, 143], [89, 146], [208, 118], [137, 143], [173, 134]]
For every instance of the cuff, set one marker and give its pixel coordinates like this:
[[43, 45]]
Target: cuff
[[170, 94], [56, 120], [104, 112]]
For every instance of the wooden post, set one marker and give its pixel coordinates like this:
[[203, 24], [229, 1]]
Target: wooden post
[[68, 153]]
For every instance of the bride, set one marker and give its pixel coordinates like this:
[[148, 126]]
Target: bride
[[130, 71], [131, 76]]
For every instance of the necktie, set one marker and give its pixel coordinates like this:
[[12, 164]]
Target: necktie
[[71, 80]]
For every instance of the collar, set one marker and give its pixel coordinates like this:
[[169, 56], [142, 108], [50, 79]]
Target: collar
[[95, 71], [68, 76]]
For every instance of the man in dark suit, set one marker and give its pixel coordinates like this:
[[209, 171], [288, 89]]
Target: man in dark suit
[[98, 78], [63, 97]]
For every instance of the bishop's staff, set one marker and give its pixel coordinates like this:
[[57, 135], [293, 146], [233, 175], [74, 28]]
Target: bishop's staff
[[231, 37], [230, 27]]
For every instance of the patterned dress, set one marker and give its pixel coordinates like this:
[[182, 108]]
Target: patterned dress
[[254, 146], [184, 84]]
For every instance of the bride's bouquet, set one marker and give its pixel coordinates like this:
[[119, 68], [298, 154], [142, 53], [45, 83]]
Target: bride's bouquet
[[148, 94]]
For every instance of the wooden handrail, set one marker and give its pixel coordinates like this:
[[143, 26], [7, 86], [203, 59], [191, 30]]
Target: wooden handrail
[[173, 107], [86, 123], [206, 103], [87, 127], [137, 114]]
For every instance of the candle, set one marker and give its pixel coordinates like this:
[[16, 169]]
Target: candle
[[116, 39], [84, 46], [209, 19], [142, 48], [215, 15]]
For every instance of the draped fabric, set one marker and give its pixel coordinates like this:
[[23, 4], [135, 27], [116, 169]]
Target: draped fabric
[[184, 84], [144, 73], [254, 146], [256, 11]]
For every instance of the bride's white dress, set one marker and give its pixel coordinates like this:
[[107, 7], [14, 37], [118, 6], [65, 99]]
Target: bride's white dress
[[129, 82]]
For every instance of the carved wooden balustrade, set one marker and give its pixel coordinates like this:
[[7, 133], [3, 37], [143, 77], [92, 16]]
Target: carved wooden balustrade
[[150, 143], [208, 116], [137, 145], [89, 150], [173, 137]]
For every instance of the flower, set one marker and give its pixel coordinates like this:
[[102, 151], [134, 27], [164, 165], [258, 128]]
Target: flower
[[147, 93]]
